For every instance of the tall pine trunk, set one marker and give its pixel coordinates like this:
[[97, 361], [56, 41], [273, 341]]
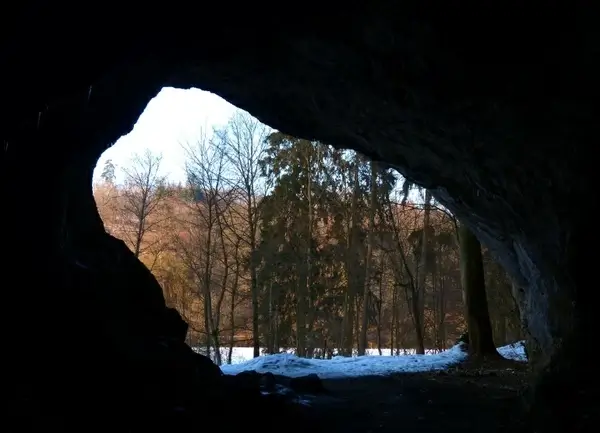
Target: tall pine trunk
[[481, 341], [422, 276], [351, 263], [362, 346]]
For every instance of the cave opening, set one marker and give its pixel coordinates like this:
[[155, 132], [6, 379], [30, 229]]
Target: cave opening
[[497, 126], [187, 187]]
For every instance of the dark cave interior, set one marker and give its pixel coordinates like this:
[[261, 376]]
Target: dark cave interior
[[490, 106]]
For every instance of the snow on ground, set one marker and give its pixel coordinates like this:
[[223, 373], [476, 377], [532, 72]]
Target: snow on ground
[[288, 364], [514, 351], [244, 354]]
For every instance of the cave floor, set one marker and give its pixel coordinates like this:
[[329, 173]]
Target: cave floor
[[466, 398]]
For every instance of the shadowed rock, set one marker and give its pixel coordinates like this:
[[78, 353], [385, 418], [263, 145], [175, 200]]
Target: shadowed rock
[[490, 105]]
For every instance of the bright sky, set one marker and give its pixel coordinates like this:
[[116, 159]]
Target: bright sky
[[174, 116]]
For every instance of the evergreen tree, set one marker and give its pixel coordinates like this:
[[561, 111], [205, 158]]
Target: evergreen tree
[[108, 172]]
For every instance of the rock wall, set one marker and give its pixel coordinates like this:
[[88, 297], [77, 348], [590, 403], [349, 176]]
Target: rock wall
[[491, 106]]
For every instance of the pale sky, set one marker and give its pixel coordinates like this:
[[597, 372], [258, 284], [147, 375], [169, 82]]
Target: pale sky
[[173, 117]]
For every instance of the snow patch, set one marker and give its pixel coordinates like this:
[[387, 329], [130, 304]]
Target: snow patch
[[514, 351], [290, 365]]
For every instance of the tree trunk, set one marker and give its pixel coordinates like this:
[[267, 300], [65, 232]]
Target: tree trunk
[[207, 277], [271, 337], [420, 350], [232, 310], [422, 275], [442, 324], [481, 342], [362, 343], [351, 264], [347, 321], [207, 332], [380, 312], [357, 322], [394, 320], [217, 345], [255, 330], [250, 211], [300, 321]]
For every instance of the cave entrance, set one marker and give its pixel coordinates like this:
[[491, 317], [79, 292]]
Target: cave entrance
[[501, 136], [288, 239], [186, 189]]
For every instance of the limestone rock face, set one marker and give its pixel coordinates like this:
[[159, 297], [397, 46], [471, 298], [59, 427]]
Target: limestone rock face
[[489, 106]]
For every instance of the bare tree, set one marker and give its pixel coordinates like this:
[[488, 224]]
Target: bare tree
[[243, 142], [205, 248], [233, 298], [405, 276], [141, 200]]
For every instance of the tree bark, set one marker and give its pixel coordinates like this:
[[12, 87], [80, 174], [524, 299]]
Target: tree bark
[[481, 342], [351, 263], [362, 346], [422, 276]]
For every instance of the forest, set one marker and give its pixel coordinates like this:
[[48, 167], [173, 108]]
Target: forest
[[279, 242]]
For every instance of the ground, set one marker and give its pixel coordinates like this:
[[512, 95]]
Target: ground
[[463, 399], [443, 393]]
